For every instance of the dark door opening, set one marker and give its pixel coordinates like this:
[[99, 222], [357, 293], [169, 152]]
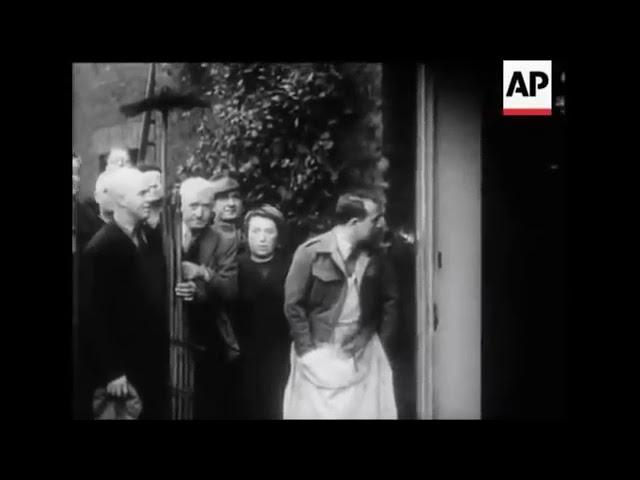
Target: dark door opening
[[523, 262], [399, 83]]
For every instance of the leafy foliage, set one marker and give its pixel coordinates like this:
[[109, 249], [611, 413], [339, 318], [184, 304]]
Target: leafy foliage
[[274, 127]]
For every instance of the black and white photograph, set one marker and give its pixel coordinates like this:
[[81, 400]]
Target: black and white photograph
[[320, 240]]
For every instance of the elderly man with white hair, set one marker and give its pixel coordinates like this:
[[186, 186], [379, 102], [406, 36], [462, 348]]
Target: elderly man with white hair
[[210, 276], [94, 212], [126, 315], [101, 196]]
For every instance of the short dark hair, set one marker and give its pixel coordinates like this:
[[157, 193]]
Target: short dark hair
[[272, 213], [351, 204], [266, 211]]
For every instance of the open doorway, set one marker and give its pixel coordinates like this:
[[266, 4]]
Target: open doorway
[[399, 106], [490, 249], [432, 136]]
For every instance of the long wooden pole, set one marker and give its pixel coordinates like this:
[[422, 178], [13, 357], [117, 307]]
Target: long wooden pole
[[181, 355], [166, 245]]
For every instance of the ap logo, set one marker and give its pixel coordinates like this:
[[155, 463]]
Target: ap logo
[[526, 87]]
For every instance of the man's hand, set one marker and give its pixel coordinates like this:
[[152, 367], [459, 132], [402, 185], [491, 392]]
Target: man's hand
[[118, 387], [186, 290], [355, 345], [191, 271], [301, 352]]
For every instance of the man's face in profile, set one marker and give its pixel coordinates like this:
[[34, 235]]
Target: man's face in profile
[[154, 182], [136, 198], [370, 230]]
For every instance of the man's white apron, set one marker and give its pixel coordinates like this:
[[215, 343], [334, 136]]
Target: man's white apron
[[327, 384]]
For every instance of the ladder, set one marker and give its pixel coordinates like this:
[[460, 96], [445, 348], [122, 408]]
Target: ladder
[[148, 120]]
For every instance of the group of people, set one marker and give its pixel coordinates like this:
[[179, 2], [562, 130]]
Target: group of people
[[272, 335]]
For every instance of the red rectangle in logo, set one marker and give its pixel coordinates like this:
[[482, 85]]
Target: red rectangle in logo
[[526, 112]]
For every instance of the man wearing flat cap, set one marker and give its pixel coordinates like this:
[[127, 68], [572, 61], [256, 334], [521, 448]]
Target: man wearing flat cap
[[210, 275], [228, 208], [228, 212]]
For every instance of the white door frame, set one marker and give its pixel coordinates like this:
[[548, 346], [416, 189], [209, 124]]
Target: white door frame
[[425, 198]]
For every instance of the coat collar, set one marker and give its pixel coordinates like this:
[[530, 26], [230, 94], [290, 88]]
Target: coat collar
[[115, 232], [226, 226], [328, 243]]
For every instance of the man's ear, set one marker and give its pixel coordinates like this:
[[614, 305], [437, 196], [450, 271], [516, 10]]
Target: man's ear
[[352, 222]]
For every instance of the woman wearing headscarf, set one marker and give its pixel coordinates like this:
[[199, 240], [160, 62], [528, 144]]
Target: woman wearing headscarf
[[261, 327]]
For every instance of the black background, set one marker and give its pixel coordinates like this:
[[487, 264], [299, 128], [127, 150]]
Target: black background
[[524, 226]]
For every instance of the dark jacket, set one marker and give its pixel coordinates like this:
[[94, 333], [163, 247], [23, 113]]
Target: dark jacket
[[231, 233], [124, 309], [316, 287], [209, 323], [263, 334], [88, 224], [259, 320], [218, 253]]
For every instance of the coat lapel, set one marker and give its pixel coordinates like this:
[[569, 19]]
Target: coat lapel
[[361, 266], [337, 259], [120, 237], [329, 245]]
